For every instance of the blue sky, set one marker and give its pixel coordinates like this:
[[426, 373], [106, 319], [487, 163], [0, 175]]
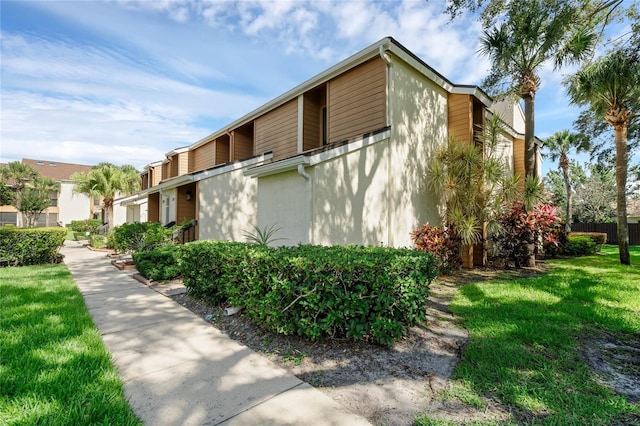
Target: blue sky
[[128, 81]]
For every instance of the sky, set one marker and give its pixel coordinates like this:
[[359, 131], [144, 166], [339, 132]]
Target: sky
[[128, 81]]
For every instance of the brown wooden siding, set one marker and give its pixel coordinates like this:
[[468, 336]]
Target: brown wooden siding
[[153, 208], [204, 156], [357, 101], [186, 209], [243, 143], [166, 170], [518, 158], [277, 131], [222, 150], [183, 163], [144, 180], [156, 175], [460, 110], [173, 165], [312, 124]]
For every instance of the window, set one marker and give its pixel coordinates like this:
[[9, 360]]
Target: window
[[96, 201], [53, 164], [53, 199], [10, 218], [40, 163]]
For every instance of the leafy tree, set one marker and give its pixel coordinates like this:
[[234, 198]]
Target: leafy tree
[[35, 198], [107, 181], [595, 196], [17, 175], [559, 145], [6, 195], [533, 33], [608, 87]]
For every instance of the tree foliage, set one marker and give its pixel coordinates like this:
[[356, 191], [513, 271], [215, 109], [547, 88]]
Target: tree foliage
[[35, 198]]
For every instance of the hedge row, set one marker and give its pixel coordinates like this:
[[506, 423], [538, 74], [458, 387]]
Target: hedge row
[[361, 293], [160, 264], [30, 246], [584, 243]]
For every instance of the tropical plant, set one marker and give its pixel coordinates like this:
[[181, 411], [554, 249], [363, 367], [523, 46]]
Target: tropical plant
[[608, 86], [34, 199], [107, 181], [559, 145], [6, 195], [17, 176], [263, 236], [534, 33]]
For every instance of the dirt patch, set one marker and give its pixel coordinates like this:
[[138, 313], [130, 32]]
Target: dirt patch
[[387, 385], [616, 360]]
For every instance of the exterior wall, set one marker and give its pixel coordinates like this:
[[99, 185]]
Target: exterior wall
[[119, 214], [277, 131], [222, 150], [419, 125], [227, 206], [350, 201], [204, 156], [283, 202], [460, 111], [242, 143], [312, 124], [186, 208], [73, 206], [156, 175], [357, 101], [518, 158], [174, 166], [153, 207], [183, 163], [166, 171], [504, 151]]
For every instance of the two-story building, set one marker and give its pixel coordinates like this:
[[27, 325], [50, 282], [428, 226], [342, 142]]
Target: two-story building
[[339, 159]]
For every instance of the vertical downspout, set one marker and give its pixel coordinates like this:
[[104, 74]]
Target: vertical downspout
[[389, 90]]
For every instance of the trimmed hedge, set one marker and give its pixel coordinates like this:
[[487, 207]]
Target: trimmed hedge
[[160, 264], [130, 237], [30, 246], [90, 225], [580, 245], [598, 238], [361, 293]]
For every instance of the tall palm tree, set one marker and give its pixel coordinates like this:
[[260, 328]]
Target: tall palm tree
[[559, 145], [107, 181], [535, 32], [609, 86]]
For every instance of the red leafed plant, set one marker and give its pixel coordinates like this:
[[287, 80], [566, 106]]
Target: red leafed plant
[[442, 243]]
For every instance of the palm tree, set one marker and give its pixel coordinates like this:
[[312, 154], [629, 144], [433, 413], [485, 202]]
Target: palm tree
[[107, 181], [534, 32], [609, 86], [559, 146]]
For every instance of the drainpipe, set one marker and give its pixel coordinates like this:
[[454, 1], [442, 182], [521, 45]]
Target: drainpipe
[[307, 177], [387, 59]]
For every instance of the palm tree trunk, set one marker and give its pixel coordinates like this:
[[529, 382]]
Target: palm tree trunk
[[621, 186], [567, 188], [529, 139]]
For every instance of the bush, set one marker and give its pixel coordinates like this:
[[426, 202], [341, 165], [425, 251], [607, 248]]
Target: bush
[[580, 245], [360, 293], [136, 236], [83, 226], [30, 246], [442, 243], [97, 241], [160, 264], [598, 238]]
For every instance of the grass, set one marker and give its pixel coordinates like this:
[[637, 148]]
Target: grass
[[54, 367], [526, 335]]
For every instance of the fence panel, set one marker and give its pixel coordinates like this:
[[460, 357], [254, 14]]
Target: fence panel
[[611, 229]]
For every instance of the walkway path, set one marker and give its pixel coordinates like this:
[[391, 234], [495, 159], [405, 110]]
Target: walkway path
[[179, 370]]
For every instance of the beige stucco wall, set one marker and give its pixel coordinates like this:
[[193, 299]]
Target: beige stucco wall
[[418, 127], [504, 151], [72, 206], [350, 197], [228, 204], [283, 202]]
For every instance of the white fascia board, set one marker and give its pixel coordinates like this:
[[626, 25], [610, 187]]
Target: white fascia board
[[292, 163], [198, 176], [154, 164], [474, 91], [177, 151]]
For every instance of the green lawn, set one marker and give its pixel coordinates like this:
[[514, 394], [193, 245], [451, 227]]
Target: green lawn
[[54, 367], [525, 338]]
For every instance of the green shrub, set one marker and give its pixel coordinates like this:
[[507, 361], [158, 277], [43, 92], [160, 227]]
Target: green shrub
[[160, 264], [136, 236], [580, 245], [87, 225], [30, 246], [97, 240], [598, 238], [362, 293]]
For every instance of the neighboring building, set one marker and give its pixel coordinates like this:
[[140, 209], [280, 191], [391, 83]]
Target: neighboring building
[[339, 159], [633, 210], [65, 205]]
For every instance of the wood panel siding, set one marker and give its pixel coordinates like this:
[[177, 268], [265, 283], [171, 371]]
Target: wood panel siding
[[518, 159], [186, 209], [156, 175], [204, 156], [173, 161], [144, 180], [357, 101], [153, 208], [460, 110], [166, 171], [183, 163], [314, 101], [277, 131], [222, 150], [243, 142]]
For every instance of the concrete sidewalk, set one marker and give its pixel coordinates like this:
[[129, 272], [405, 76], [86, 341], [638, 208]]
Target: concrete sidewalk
[[179, 370]]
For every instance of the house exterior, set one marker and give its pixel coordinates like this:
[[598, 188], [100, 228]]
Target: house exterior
[[65, 205], [339, 159]]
